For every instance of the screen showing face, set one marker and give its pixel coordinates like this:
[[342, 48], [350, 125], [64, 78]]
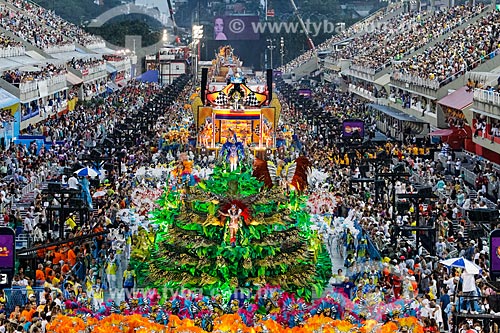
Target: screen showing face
[[6, 251], [236, 28]]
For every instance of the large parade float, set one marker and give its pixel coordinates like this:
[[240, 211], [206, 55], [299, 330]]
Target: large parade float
[[236, 251], [234, 102]]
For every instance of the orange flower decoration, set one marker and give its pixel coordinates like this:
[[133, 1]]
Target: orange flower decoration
[[269, 326], [227, 323], [412, 324], [343, 325], [64, 324], [390, 327], [320, 323], [369, 326]]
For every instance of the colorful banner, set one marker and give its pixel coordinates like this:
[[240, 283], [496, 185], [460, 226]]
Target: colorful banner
[[72, 104], [224, 96], [269, 115]]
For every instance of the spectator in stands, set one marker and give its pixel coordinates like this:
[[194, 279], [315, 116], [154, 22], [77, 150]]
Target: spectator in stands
[[467, 302], [73, 183], [70, 222]]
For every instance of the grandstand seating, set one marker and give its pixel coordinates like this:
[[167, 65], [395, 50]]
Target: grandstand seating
[[412, 33], [69, 30], [461, 51]]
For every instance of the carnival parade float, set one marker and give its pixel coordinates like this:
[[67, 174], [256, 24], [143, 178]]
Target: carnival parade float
[[237, 250], [235, 253]]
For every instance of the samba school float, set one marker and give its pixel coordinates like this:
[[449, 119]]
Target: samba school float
[[235, 251], [222, 244], [234, 231]]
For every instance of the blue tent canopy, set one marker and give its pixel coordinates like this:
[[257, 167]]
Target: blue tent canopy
[[149, 76], [7, 99]]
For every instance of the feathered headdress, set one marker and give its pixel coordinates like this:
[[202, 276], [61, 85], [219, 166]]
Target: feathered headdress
[[261, 172]]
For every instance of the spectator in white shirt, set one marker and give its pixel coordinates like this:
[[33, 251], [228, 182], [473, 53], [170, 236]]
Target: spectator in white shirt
[[28, 223], [435, 313], [73, 183], [469, 290]]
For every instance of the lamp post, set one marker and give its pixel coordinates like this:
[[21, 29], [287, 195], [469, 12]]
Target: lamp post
[[164, 39], [282, 49], [197, 36], [271, 47]]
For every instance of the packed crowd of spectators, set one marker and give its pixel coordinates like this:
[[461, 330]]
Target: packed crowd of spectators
[[6, 42], [67, 30], [358, 27], [461, 51], [9, 47], [81, 271], [18, 76], [374, 38], [83, 65], [416, 31], [5, 117], [26, 25], [405, 271]]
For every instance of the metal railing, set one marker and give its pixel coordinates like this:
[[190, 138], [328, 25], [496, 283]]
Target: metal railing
[[95, 45], [92, 69], [12, 51], [60, 48], [487, 96], [360, 90], [19, 296], [416, 80], [435, 84], [26, 87], [30, 187], [363, 69]]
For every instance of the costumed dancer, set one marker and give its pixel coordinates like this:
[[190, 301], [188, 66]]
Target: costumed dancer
[[349, 241], [233, 158], [362, 247], [234, 214], [233, 151]]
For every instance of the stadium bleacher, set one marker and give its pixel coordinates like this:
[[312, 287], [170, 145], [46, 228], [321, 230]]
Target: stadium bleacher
[[461, 51], [413, 32]]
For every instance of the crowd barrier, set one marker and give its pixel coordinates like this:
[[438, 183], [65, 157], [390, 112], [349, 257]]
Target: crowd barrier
[[32, 185], [60, 48], [363, 69], [487, 96], [12, 51], [19, 296], [93, 69], [419, 81], [26, 87], [95, 45]]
